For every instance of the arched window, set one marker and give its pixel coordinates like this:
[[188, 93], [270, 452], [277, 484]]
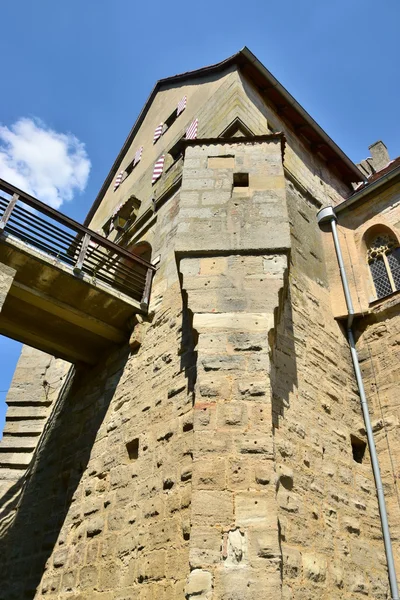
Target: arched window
[[384, 263]]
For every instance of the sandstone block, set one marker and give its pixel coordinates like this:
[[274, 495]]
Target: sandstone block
[[245, 583], [223, 362], [94, 526], [285, 476], [233, 321], [205, 546], [209, 474], [216, 197], [351, 525], [221, 162], [212, 508], [199, 585], [213, 266], [250, 388], [205, 442], [231, 414], [255, 444], [88, 577], [314, 567], [204, 416], [255, 508], [264, 542]]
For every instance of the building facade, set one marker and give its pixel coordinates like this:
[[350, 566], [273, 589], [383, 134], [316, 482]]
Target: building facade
[[221, 454]]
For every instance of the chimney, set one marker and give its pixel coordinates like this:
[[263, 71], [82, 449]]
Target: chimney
[[380, 155]]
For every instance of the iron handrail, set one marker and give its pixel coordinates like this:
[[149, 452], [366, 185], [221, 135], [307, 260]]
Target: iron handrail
[[85, 250], [71, 223]]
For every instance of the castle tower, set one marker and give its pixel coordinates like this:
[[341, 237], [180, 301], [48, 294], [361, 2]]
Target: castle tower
[[214, 457]]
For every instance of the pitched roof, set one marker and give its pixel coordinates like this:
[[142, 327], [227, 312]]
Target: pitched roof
[[375, 183], [285, 105]]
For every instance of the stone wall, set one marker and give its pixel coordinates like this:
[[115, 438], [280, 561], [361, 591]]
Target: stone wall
[[379, 210], [104, 511], [232, 242], [328, 516], [378, 345], [37, 380], [220, 459]]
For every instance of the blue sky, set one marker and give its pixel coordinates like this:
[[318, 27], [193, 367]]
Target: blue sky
[[76, 74]]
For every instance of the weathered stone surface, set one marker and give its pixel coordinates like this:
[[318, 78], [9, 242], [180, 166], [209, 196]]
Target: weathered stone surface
[[199, 585], [6, 278], [214, 460]]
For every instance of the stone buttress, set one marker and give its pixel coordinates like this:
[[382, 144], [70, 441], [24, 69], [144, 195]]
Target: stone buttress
[[232, 245]]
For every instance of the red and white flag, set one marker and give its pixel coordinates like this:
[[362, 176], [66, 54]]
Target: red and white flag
[[158, 132], [191, 131], [158, 168], [138, 156], [181, 106], [118, 180]]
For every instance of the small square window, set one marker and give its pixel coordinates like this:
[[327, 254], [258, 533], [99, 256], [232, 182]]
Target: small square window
[[240, 180]]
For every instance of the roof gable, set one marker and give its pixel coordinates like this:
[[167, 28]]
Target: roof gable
[[284, 104]]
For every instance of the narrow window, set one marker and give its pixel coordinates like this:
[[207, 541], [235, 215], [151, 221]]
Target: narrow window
[[384, 264], [176, 151], [170, 121], [163, 127]]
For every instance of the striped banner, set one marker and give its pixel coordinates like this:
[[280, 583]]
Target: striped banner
[[138, 156], [158, 132], [158, 168], [191, 131], [118, 180], [181, 106]]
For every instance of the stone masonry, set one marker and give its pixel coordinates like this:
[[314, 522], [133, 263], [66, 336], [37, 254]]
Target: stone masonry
[[34, 389], [233, 275], [220, 454]]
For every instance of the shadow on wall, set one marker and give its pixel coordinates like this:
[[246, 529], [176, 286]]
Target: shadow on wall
[[283, 360], [33, 511], [188, 345]]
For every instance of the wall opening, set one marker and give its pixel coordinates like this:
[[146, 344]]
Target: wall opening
[[358, 447], [133, 449], [240, 180]]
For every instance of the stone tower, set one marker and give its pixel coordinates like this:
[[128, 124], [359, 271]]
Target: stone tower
[[221, 454]]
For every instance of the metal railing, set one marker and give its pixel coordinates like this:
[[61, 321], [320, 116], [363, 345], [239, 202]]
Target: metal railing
[[48, 231]]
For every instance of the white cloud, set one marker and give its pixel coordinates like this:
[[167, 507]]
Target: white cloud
[[49, 165]]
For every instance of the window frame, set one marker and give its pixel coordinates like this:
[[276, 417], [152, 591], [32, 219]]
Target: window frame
[[389, 246]]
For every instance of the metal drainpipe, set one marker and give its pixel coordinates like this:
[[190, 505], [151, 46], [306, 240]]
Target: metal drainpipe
[[327, 215]]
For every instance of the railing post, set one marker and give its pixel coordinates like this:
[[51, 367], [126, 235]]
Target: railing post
[[82, 254], [8, 211], [144, 304]]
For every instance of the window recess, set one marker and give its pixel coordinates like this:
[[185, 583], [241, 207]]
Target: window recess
[[163, 127], [384, 264], [122, 216], [176, 151]]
